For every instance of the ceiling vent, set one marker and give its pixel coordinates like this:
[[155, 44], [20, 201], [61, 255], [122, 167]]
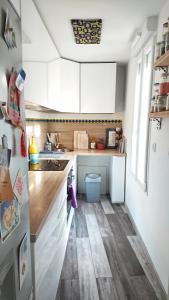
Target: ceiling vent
[[87, 31]]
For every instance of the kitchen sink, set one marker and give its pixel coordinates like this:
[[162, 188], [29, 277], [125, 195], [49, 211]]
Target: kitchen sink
[[49, 165]]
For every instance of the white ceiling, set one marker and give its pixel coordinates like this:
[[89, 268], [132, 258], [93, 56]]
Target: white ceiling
[[120, 19]]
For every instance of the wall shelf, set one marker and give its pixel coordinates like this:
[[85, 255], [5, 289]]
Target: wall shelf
[[161, 114], [163, 61]]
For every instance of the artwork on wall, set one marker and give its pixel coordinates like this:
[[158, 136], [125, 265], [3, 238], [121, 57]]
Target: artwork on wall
[[87, 31]]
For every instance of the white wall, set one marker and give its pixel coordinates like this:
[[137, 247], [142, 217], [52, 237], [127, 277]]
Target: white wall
[[151, 211]]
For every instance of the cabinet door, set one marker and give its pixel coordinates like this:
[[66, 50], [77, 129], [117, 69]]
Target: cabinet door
[[69, 86], [37, 43], [16, 4], [54, 100], [98, 82], [117, 179], [35, 88]]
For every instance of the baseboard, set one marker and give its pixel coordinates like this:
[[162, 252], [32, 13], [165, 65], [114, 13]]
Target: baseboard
[[145, 248]]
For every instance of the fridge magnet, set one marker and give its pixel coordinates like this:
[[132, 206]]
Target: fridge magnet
[[13, 104], [6, 192], [23, 260], [19, 187], [9, 33], [20, 80], [9, 218]]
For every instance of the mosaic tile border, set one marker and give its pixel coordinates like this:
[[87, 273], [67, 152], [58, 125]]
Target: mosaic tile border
[[77, 121]]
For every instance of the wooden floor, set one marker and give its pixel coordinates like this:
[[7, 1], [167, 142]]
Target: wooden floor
[[105, 259]]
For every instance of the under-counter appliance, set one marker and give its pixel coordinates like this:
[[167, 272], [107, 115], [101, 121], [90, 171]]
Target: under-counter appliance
[[12, 286]]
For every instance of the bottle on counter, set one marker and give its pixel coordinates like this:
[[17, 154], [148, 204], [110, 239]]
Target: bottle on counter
[[33, 151]]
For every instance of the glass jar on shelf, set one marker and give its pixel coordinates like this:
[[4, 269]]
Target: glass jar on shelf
[[162, 48], [152, 105], [161, 103], [167, 102], [165, 30], [157, 50], [164, 84], [167, 42]]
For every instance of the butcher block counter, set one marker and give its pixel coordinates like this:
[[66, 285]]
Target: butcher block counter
[[44, 187]]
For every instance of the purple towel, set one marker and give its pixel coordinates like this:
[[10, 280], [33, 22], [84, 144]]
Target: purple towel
[[72, 196]]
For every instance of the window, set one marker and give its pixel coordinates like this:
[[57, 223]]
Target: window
[[140, 118]]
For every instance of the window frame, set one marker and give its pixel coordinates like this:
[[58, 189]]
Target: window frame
[[141, 57]]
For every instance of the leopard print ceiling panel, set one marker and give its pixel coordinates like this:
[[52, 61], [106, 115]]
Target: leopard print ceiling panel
[[87, 31]]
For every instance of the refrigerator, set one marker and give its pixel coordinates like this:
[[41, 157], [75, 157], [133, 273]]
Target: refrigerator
[[15, 257]]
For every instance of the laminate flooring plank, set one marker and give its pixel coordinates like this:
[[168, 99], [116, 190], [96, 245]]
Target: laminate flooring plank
[[58, 297], [80, 222], [70, 268], [72, 233], [102, 221], [120, 276], [107, 289], [124, 208], [143, 288], [70, 290], [87, 280], [117, 208], [99, 256], [146, 264], [126, 224], [87, 208], [127, 254], [107, 207]]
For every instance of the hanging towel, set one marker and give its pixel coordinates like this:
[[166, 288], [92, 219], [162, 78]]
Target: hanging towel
[[72, 196]]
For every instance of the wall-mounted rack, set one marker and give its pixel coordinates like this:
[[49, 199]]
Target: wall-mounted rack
[[163, 61], [160, 114]]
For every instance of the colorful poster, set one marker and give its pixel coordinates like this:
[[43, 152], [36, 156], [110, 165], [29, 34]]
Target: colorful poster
[[6, 192], [19, 187], [23, 260], [9, 217]]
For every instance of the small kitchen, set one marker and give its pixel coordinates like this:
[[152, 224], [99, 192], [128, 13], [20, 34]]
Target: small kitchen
[[83, 160]]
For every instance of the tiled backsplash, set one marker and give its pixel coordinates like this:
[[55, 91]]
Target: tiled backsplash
[[66, 128]]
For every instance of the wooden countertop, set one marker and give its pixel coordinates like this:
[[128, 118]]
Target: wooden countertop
[[44, 187]]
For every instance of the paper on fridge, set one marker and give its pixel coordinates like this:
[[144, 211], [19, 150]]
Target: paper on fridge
[[19, 187], [6, 192]]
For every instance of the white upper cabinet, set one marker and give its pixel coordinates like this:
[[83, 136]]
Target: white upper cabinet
[[100, 88], [53, 75], [69, 86], [37, 43], [16, 5], [63, 85], [35, 87]]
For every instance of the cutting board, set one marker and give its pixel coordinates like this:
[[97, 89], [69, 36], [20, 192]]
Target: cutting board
[[83, 141], [76, 138]]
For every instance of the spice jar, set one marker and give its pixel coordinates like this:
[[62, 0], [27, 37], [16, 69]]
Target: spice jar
[[167, 42], [164, 84], [167, 102], [157, 50], [161, 103], [152, 105], [162, 48], [165, 30]]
